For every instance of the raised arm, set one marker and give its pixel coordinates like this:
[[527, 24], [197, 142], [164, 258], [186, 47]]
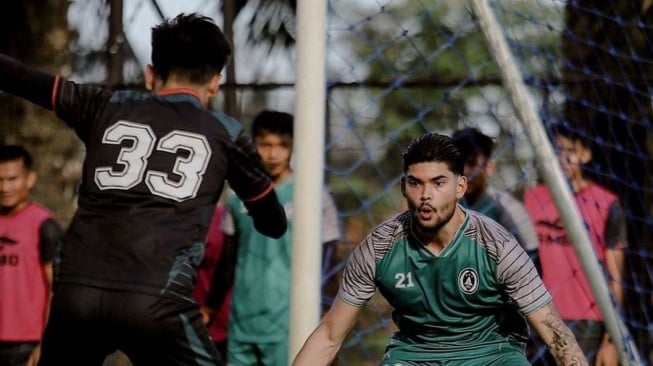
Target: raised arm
[[323, 344], [50, 234], [268, 215], [616, 239], [251, 182], [558, 337], [27, 83]]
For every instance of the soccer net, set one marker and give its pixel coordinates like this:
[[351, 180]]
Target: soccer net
[[397, 69]]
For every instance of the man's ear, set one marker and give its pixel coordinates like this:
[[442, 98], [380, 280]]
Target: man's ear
[[461, 186], [31, 179], [149, 77], [489, 167], [403, 186], [214, 85], [584, 152]]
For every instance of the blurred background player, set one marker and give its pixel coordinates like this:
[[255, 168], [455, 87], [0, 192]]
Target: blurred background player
[[217, 320], [561, 270], [260, 309], [481, 196], [28, 239], [155, 166]]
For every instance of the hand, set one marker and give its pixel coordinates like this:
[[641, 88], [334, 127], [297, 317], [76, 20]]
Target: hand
[[34, 356], [207, 314], [607, 355]]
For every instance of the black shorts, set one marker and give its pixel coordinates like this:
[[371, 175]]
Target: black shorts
[[16, 353], [87, 324]]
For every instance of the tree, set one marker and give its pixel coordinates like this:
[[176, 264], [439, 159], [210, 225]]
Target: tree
[[36, 33]]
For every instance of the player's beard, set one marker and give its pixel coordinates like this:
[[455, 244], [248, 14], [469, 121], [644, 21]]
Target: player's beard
[[438, 219]]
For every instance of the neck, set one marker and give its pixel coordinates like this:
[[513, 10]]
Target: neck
[[579, 184], [438, 238], [276, 180], [8, 211], [199, 91]]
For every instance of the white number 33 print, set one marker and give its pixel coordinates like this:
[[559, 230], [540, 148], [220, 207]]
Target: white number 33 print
[[134, 160]]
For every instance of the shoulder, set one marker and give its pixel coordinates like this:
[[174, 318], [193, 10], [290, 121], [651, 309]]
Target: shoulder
[[383, 237], [33, 215], [600, 193], [537, 197], [129, 95], [233, 126], [501, 196], [538, 189], [395, 226], [39, 210], [487, 233]]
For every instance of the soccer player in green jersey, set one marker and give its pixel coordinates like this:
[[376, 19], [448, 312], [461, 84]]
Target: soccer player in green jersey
[[260, 266], [463, 290]]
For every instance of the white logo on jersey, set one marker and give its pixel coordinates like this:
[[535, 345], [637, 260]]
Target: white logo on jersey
[[468, 280]]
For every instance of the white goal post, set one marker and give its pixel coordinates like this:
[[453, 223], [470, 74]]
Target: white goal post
[[308, 156]]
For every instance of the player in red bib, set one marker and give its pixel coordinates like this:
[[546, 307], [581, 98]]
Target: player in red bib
[[28, 239]]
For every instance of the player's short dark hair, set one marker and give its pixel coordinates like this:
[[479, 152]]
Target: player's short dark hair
[[279, 123], [562, 130], [190, 46], [434, 147], [472, 142], [15, 152]]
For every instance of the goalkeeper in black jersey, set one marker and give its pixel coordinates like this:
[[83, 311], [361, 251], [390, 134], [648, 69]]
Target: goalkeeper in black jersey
[[155, 166]]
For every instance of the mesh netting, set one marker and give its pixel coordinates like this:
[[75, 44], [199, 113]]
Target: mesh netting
[[401, 68]]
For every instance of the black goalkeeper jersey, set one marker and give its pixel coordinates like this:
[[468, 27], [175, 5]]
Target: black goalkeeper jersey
[[154, 169]]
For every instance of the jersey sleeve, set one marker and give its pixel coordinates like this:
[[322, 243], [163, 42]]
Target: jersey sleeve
[[27, 83], [615, 230], [518, 276], [75, 104], [79, 105], [246, 175], [50, 234], [228, 226], [358, 286], [330, 225]]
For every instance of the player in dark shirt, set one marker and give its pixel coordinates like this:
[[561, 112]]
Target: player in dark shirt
[[155, 167]]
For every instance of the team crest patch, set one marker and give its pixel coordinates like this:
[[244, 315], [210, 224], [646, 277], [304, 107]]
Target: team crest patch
[[468, 280]]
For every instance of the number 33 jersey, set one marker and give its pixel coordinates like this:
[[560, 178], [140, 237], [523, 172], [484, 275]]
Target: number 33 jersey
[[473, 294], [154, 169]]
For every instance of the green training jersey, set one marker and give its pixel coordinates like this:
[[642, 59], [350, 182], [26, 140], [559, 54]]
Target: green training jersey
[[467, 302], [261, 297]]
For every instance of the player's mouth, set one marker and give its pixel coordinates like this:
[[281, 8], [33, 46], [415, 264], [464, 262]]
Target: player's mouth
[[273, 167], [425, 213]]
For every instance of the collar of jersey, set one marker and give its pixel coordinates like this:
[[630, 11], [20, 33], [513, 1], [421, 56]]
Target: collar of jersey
[[422, 256], [181, 95]]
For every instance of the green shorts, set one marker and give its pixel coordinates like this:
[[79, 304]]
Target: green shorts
[[508, 353], [247, 353]]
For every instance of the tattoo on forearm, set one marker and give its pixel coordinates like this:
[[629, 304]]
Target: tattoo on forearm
[[563, 346]]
